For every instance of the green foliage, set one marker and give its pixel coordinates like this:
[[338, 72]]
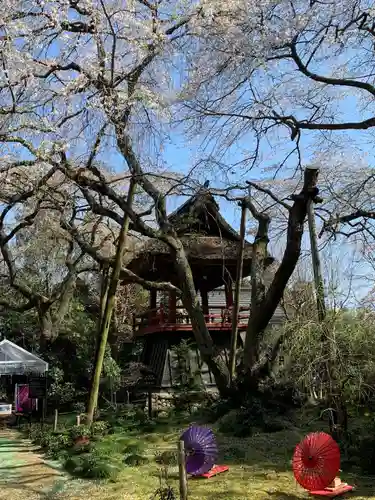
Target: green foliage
[[112, 371], [133, 448], [54, 444], [128, 418], [99, 428], [58, 445], [80, 431], [92, 466], [359, 446], [189, 389], [18, 326], [354, 343], [167, 458], [237, 422], [79, 407], [133, 454], [258, 412], [212, 410], [59, 390], [135, 460], [84, 460]]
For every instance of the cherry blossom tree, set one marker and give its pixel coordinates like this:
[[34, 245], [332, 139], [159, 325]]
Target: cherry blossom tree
[[88, 84], [81, 80], [285, 84], [283, 69]]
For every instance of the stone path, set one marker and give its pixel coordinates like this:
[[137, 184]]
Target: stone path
[[23, 473]]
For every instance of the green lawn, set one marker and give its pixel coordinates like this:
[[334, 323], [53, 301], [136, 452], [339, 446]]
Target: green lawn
[[259, 469]]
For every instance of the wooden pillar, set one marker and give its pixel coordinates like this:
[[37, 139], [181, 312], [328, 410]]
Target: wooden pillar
[[152, 306], [204, 295], [172, 307], [153, 299], [228, 292]]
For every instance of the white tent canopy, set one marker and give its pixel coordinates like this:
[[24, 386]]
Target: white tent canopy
[[15, 360]]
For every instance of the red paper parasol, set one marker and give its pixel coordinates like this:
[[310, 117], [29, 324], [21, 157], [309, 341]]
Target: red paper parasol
[[316, 461]]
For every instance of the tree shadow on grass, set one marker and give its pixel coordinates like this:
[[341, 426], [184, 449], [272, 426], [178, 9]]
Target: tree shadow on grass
[[13, 442], [11, 467], [279, 495], [225, 495], [263, 452], [29, 490], [18, 450]]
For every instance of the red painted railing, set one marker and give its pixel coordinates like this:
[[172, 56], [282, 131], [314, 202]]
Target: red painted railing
[[159, 319]]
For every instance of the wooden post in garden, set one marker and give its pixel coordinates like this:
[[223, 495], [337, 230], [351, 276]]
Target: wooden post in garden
[[338, 419], [78, 420], [55, 420], [316, 264], [182, 471]]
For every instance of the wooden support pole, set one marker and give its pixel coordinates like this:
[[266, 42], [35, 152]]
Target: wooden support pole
[[316, 264], [153, 293], [55, 420], [205, 306], [182, 471], [149, 403], [335, 400], [228, 290], [236, 308], [172, 307]]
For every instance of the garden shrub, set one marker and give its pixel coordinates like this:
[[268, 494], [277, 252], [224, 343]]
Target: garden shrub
[[275, 423], [236, 422], [92, 466], [58, 445], [80, 431], [361, 449], [80, 455], [189, 390], [79, 407], [54, 444], [99, 428], [35, 433], [212, 410], [135, 460], [166, 458], [255, 413], [128, 417], [133, 448], [149, 426], [133, 454]]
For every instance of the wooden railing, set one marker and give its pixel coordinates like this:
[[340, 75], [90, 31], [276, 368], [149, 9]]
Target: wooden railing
[[160, 318]]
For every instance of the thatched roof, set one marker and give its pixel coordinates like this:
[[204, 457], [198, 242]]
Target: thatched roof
[[208, 239], [201, 214]]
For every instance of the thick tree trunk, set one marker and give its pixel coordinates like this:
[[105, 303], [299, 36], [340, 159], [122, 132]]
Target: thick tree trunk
[[258, 288], [265, 307], [207, 349], [107, 316], [49, 320]]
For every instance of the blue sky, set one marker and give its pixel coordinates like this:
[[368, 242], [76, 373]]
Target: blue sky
[[180, 157], [338, 259]]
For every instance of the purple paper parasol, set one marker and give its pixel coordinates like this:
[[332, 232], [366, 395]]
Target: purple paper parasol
[[201, 450]]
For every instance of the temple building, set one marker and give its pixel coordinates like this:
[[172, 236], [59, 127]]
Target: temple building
[[212, 247]]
